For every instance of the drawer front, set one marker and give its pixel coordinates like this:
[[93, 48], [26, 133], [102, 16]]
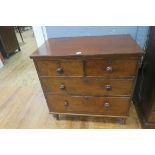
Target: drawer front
[[87, 86], [59, 68], [114, 68], [88, 105]]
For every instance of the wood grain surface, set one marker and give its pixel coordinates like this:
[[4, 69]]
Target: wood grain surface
[[88, 46], [69, 68], [89, 105], [87, 86]]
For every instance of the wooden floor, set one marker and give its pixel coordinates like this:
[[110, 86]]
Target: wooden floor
[[22, 104]]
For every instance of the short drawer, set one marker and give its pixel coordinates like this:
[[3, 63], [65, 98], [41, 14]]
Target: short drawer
[[87, 86], [111, 68], [59, 68], [88, 105]]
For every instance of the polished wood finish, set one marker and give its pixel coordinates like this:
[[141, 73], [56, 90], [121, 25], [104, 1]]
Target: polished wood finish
[[88, 105], [87, 86], [8, 41], [97, 67], [59, 68], [22, 103], [88, 46], [111, 68]]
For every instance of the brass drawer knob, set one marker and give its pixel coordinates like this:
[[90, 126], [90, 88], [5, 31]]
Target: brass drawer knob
[[109, 69], [106, 105], [62, 86], [59, 70], [108, 87], [66, 104]]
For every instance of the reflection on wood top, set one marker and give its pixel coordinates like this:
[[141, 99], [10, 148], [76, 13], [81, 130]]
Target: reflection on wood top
[[89, 46]]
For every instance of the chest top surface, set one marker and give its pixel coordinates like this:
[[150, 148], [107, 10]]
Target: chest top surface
[[88, 46]]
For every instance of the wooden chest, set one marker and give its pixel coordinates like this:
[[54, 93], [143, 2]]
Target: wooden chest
[[90, 76]]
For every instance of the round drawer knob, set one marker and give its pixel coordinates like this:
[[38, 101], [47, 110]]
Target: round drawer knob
[[109, 69], [106, 105], [66, 104], [59, 70], [62, 86], [108, 87]]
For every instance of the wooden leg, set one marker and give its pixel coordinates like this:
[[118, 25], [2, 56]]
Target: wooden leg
[[7, 55], [19, 49], [19, 30], [57, 117], [122, 120]]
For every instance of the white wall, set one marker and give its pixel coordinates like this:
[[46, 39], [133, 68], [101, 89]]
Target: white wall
[[40, 34], [1, 64], [44, 32]]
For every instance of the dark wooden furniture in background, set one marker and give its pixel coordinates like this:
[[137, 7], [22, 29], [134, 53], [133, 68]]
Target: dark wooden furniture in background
[[144, 95], [21, 29], [20, 32], [8, 41], [89, 76]]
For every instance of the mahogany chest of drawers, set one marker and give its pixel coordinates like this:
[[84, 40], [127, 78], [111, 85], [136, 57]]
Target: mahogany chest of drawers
[[89, 76]]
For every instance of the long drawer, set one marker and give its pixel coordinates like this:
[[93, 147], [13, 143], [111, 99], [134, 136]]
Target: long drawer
[[88, 105], [87, 86]]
